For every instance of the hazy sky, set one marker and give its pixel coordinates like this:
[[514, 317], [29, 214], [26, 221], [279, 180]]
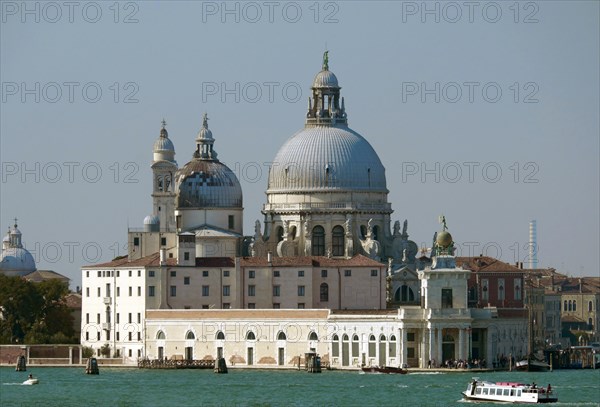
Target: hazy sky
[[487, 112]]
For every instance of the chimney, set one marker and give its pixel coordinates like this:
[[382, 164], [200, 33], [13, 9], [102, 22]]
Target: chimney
[[269, 257], [163, 257], [580, 286]]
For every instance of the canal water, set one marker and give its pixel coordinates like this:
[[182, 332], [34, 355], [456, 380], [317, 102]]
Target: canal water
[[134, 387]]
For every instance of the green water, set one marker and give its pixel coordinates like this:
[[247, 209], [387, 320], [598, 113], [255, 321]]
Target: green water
[[133, 387]]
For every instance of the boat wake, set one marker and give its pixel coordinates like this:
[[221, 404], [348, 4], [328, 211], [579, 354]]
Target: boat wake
[[425, 373]]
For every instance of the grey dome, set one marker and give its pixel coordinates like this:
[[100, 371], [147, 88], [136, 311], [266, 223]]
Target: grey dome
[[163, 144], [17, 259], [205, 183], [151, 220], [322, 158], [325, 79]]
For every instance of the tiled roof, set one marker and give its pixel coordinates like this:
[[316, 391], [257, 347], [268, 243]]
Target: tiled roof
[[215, 262], [73, 300], [45, 275], [486, 264], [152, 260]]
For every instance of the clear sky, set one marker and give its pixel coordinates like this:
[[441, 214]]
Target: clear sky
[[486, 112]]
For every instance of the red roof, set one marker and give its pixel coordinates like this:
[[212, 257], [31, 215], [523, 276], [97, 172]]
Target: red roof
[[310, 261], [486, 264], [152, 260]]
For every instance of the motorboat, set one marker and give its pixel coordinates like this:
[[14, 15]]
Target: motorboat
[[532, 365], [509, 392], [30, 381], [384, 369]]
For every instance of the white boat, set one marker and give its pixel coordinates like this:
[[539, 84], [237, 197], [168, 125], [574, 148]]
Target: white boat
[[508, 392], [31, 381]]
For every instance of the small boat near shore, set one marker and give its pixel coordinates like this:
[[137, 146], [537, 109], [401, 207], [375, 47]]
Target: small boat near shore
[[384, 369], [30, 381], [532, 365], [509, 392]]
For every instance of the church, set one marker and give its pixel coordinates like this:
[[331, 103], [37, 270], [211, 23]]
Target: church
[[325, 270]]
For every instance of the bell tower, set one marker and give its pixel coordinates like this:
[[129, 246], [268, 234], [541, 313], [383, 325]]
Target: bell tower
[[164, 167]]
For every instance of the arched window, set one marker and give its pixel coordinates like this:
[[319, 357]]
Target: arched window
[[590, 306], [335, 346], [250, 336], [382, 338], [375, 232], [281, 336], [372, 346], [574, 305], [220, 336], [318, 241], [404, 294], [313, 336], [570, 305], [324, 289], [565, 306], [279, 234], [160, 335], [591, 324], [355, 345], [293, 232], [337, 241], [190, 335], [363, 231], [392, 347]]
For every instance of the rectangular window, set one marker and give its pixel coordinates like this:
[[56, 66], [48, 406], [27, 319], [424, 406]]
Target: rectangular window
[[139, 337], [410, 336], [300, 273], [108, 335], [136, 241], [186, 255], [130, 339], [118, 291], [251, 305], [139, 273], [163, 241], [226, 305], [87, 291], [226, 291], [517, 283], [139, 318], [118, 273], [300, 291], [373, 273], [173, 291], [87, 318], [130, 291], [276, 290], [187, 307], [98, 291], [205, 273], [129, 319], [410, 353], [300, 305], [118, 336], [118, 317], [225, 273], [323, 273], [251, 290], [231, 221], [173, 273], [446, 298], [139, 291], [186, 281], [251, 274], [205, 290], [276, 305], [129, 273], [348, 273], [151, 273], [276, 273], [99, 273], [205, 306]]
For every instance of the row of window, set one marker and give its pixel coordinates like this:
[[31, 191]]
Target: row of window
[[108, 291], [501, 289], [113, 273], [571, 305], [117, 317], [323, 290], [250, 336], [117, 336]]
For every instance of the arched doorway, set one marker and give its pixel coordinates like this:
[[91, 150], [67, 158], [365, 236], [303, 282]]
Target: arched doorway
[[345, 351]]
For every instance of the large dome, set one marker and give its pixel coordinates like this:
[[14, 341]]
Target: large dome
[[204, 183], [327, 158], [16, 261]]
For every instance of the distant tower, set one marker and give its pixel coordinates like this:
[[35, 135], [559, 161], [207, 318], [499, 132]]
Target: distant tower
[[533, 261], [164, 167]]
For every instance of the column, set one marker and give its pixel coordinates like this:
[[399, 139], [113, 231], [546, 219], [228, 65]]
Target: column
[[461, 344], [70, 355], [430, 348], [439, 359]]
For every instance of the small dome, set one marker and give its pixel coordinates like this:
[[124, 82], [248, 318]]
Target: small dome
[[206, 183], [444, 239], [163, 144], [17, 259], [204, 134], [6, 239], [325, 79], [151, 220]]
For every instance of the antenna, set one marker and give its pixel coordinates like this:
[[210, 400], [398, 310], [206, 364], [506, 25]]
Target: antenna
[[533, 260]]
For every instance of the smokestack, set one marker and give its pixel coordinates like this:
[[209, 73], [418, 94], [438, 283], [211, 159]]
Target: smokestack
[[533, 261]]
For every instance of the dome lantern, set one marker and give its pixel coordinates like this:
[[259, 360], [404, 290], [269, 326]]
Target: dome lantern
[[326, 107]]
